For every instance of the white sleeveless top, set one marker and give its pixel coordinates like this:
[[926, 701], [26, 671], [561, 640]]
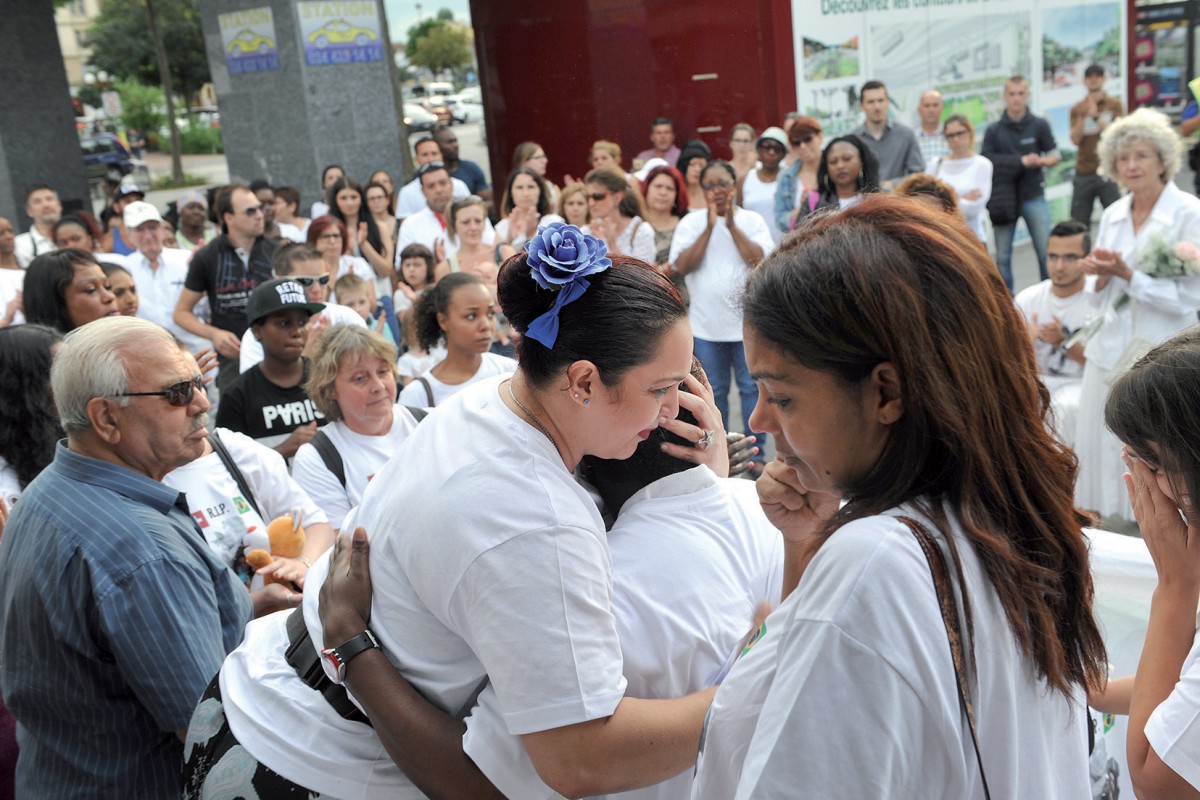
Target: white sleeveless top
[[760, 197]]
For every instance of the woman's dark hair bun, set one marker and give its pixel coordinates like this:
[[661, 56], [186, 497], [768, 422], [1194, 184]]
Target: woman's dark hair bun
[[615, 324]]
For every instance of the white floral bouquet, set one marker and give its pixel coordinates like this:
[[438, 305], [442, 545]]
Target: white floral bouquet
[[1160, 260]]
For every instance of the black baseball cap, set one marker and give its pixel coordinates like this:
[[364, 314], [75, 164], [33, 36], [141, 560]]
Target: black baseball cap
[[278, 294]]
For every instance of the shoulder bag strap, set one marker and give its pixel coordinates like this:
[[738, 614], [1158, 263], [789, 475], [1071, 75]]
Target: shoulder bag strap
[[330, 455], [418, 413], [428, 390], [945, 595], [232, 468]]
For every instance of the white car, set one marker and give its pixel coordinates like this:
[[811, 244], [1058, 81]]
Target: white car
[[418, 119], [465, 106]]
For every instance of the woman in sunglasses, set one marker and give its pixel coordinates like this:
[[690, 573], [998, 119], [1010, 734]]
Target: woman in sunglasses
[[798, 179], [618, 215], [329, 235], [756, 188]]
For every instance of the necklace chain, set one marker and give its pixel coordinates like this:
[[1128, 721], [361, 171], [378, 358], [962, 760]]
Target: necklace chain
[[531, 415]]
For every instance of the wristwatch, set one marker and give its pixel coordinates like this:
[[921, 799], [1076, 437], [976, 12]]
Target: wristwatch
[[335, 659]]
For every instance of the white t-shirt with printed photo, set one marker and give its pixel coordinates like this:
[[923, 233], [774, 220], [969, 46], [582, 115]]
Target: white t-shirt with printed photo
[[362, 456], [227, 520], [415, 393], [487, 558]]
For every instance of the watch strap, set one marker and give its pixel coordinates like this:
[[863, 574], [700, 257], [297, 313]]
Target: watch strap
[[341, 655]]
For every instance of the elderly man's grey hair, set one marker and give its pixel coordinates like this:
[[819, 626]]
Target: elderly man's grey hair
[[1144, 125], [93, 362]]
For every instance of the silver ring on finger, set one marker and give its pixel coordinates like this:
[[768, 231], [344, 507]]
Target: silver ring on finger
[[704, 441]]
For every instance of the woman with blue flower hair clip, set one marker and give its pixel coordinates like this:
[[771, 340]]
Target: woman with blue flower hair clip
[[490, 566]]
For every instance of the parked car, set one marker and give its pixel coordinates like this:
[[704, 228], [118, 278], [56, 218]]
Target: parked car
[[438, 108], [104, 157], [418, 119], [461, 110]]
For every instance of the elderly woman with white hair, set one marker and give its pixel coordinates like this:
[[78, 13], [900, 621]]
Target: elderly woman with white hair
[[1147, 291]]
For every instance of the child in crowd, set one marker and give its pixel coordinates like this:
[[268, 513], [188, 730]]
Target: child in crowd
[[461, 309], [359, 296], [416, 275], [267, 402]]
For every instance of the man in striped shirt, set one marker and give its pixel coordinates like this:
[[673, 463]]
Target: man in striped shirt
[[114, 612]]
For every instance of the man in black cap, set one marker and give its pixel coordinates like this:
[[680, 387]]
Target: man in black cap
[[267, 402]]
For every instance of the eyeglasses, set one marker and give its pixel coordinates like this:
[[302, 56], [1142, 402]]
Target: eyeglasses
[[178, 394], [309, 280], [712, 187], [955, 135], [430, 167], [776, 146], [598, 196], [539, 157], [252, 211], [804, 140], [330, 237]]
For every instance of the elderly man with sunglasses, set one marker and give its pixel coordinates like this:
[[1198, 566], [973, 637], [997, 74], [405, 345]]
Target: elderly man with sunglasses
[[114, 611], [226, 270], [302, 263]]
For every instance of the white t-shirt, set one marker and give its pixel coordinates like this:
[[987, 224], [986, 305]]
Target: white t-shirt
[[362, 457], [411, 365], [850, 691], [1173, 730], [965, 175], [411, 199], [1073, 312], [486, 558], [492, 364], [252, 351], [11, 282], [226, 519], [637, 240], [693, 556], [760, 198], [293, 233], [30, 244], [716, 284], [158, 292], [10, 484], [423, 227]]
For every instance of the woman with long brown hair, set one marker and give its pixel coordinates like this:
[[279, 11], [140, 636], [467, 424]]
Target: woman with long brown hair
[[912, 436]]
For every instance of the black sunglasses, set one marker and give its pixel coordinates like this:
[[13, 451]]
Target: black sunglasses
[[308, 280], [178, 394], [598, 196]]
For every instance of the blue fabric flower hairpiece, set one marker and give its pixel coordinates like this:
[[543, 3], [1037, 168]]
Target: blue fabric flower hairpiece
[[560, 258]]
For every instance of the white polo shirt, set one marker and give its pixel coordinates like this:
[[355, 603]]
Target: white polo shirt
[[411, 199], [159, 289], [31, 244]]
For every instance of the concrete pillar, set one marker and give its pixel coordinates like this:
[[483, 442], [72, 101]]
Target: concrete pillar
[[301, 85], [38, 142]]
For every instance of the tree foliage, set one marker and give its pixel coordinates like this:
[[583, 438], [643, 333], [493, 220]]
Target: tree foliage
[[121, 44], [141, 106], [447, 46]]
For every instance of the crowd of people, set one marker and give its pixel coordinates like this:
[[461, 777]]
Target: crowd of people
[[482, 438]]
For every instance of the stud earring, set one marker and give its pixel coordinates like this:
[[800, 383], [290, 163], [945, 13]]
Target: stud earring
[[585, 401], [577, 395]]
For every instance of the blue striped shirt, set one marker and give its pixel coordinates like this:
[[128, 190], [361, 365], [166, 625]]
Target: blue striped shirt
[[115, 615]]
